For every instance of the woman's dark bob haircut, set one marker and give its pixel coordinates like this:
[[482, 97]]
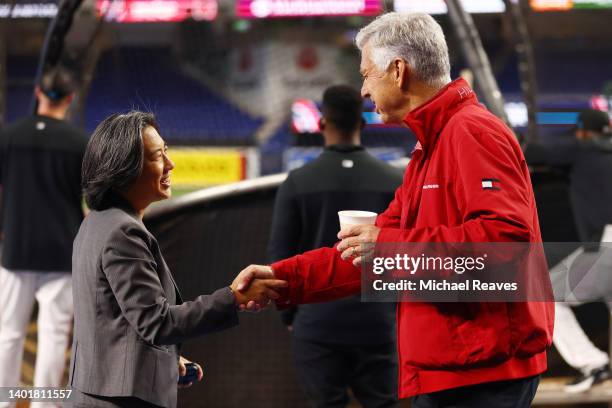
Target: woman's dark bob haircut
[[114, 157]]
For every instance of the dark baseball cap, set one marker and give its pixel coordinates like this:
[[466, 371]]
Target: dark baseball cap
[[595, 120]]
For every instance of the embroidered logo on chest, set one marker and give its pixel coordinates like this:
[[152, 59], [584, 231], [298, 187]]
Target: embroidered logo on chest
[[430, 186]]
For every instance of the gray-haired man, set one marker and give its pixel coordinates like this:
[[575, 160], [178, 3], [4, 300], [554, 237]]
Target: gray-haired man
[[467, 181]]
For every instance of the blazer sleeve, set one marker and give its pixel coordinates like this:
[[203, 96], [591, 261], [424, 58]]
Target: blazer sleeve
[[129, 267]]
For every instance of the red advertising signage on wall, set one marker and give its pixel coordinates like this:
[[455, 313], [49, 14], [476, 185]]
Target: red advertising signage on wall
[[306, 8], [134, 11]]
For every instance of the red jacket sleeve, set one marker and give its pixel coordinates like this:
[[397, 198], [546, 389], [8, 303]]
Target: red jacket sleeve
[[390, 218], [498, 214], [321, 274], [317, 276]]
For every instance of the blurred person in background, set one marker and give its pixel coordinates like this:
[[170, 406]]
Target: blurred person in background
[[129, 315], [450, 354], [346, 343], [40, 172], [588, 162]]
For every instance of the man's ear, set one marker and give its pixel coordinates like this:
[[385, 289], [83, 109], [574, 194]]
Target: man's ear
[[322, 124], [401, 73]]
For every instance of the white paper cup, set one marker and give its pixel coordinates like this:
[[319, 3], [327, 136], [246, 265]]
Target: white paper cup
[[354, 217]]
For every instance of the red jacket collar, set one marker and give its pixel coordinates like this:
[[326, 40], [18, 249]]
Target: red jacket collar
[[427, 120]]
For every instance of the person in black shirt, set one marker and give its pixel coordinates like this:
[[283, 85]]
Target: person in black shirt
[[341, 344], [588, 161], [40, 172]]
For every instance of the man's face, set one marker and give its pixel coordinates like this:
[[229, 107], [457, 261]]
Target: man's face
[[382, 87]]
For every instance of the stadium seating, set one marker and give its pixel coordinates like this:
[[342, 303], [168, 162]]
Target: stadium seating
[[21, 71], [189, 113], [151, 79]]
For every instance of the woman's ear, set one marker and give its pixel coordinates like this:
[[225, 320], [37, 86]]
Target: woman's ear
[[321, 124]]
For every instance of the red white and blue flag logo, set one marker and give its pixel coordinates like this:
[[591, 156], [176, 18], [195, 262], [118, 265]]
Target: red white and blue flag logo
[[490, 184]]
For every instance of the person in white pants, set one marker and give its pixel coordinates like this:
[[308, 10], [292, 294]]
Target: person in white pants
[[53, 291], [587, 162], [42, 208], [576, 349], [569, 338]]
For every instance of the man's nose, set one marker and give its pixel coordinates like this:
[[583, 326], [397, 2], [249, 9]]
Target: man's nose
[[364, 91]]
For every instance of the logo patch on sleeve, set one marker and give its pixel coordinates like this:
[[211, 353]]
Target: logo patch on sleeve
[[490, 184]]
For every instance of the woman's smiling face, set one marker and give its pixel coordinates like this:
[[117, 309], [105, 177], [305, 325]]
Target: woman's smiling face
[[153, 184]]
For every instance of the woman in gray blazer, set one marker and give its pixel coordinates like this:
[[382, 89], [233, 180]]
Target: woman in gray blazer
[[129, 315]]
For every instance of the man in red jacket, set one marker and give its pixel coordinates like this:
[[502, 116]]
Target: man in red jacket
[[467, 182]]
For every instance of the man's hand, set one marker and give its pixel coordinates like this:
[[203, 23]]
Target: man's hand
[[244, 278], [357, 242], [183, 371], [255, 287]]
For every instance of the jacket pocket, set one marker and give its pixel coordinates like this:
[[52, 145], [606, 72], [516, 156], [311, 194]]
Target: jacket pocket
[[153, 374], [484, 330], [532, 324], [447, 336], [151, 345]]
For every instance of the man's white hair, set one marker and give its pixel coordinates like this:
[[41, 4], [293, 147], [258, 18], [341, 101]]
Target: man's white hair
[[414, 37]]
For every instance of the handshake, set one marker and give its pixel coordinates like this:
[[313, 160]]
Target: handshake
[[255, 287]]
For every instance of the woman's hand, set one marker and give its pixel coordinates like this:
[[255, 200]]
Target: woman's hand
[[255, 287], [183, 371]]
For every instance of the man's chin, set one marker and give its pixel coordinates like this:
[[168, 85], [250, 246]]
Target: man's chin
[[388, 120]]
